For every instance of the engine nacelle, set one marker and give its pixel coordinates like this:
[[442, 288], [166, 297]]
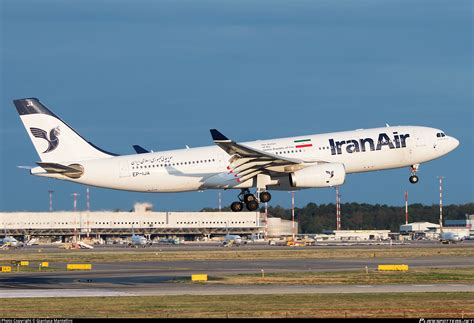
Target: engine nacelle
[[323, 175]]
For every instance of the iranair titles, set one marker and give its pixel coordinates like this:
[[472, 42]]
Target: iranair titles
[[358, 145]]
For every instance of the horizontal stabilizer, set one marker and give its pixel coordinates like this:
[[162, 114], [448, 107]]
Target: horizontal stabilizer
[[25, 167], [73, 170]]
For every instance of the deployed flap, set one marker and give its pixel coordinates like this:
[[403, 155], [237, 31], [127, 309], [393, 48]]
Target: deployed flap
[[247, 162]]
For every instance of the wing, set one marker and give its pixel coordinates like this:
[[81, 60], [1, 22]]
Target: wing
[[39, 133], [246, 162]]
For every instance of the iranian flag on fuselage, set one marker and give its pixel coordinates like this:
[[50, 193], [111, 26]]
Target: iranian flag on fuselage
[[303, 143]]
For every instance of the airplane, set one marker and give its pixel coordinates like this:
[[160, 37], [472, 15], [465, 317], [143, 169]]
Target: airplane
[[293, 163], [138, 240], [449, 237], [231, 240], [10, 241]]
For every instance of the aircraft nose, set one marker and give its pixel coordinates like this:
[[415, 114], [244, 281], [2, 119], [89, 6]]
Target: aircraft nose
[[454, 143]]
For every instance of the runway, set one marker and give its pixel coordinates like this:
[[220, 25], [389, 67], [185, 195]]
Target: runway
[[159, 277], [175, 289]]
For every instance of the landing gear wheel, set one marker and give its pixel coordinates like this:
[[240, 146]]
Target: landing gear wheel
[[237, 206], [252, 205], [414, 179], [265, 197], [413, 169], [249, 197]]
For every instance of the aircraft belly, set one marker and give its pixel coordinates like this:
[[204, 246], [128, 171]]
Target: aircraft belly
[[225, 180], [377, 160], [176, 182]]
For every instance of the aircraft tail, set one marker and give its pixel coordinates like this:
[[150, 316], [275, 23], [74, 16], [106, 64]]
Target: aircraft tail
[[54, 140]]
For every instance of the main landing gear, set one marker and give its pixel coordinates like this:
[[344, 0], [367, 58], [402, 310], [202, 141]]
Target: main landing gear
[[413, 169], [250, 200]]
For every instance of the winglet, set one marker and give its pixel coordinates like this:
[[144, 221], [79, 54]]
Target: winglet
[[140, 149], [217, 136]]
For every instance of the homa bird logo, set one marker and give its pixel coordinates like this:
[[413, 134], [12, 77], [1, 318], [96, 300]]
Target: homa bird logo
[[53, 140], [330, 173]]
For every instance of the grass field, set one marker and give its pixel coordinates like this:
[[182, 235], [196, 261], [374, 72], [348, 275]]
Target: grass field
[[290, 253], [409, 305], [413, 276]]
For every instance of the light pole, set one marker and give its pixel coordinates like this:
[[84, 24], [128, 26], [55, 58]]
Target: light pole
[[88, 199], [293, 214], [406, 207], [75, 200], [338, 209], [441, 202], [220, 202], [51, 200], [266, 221], [88, 206], [80, 216]]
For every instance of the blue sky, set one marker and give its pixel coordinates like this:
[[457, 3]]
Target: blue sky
[[162, 73]]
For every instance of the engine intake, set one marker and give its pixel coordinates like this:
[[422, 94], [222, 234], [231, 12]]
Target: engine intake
[[323, 175]]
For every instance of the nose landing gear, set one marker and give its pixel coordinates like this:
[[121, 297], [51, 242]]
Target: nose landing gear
[[413, 178], [250, 200]]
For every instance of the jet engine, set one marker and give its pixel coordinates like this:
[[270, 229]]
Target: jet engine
[[322, 175]]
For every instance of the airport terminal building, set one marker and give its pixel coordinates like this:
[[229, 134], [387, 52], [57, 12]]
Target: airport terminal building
[[142, 220]]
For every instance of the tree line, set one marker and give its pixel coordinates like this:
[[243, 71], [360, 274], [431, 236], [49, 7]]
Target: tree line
[[314, 218]]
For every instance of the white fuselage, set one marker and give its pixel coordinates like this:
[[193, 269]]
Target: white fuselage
[[206, 167]]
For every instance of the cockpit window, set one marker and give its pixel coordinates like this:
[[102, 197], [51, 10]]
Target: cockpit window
[[440, 134]]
